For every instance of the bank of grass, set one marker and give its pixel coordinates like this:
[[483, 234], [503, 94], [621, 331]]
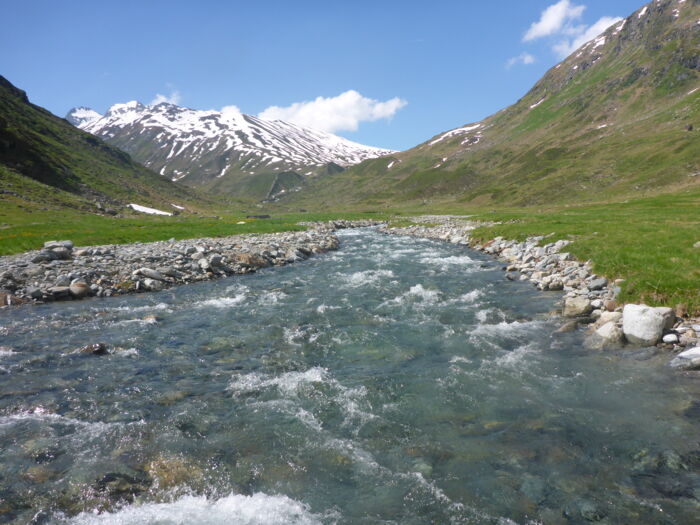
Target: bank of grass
[[648, 242], [23, 228]]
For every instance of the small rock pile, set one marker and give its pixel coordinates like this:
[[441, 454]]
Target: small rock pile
[[589, 299], [60, 271]]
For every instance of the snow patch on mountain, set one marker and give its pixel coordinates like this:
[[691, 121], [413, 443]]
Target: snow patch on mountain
[[455, 132], [81, 116], [179, 139]]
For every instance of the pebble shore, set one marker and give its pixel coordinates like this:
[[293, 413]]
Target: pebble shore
[[589, 300], [61, 271]]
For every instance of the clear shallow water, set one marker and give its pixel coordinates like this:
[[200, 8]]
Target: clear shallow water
[[394, 381]]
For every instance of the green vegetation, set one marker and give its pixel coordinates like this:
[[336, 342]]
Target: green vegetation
[[26, 225], [648, 242]]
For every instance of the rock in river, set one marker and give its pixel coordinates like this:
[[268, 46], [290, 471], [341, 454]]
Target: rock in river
[[687, 360], [644, 325], [577, 306]]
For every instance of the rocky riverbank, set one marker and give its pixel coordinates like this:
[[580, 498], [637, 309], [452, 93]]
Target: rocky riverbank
[[589, 300], [61, 271]]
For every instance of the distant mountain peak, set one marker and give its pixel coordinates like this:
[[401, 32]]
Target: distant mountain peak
[[199, 146], [81, 116]]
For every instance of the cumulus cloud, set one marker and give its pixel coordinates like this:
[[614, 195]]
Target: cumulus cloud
[[522, 58], [567, 46], [555, 19], [173, 98], [341, 113], [559, 22], [232, 111]]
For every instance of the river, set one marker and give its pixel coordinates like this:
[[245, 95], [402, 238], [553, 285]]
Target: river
[[396, 380]]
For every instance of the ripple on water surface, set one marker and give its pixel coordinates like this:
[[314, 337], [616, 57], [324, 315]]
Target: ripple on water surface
[[394, 381]]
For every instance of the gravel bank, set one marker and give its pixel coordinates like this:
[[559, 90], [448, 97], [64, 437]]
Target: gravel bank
[[61, 271]]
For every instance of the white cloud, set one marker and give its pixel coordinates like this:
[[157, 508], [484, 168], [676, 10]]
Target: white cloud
[[173, 98], [341, 113], [230, 111], [565, 47], [555, 19], [522, 58], [558, 21]]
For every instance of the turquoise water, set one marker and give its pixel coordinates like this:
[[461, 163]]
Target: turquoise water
[[394, 381]]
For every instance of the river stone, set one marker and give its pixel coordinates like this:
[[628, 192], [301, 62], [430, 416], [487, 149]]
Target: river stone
[[687, 360], [79, 289], [150, 273], [51, 245], [576, 307], [62, 280], [598, 284], [644, 325], [61, 252], [610, 333], [59, 292], [670, 338], [94, 349], [34, 292], [607, 317], [153, 285], [44, 256]]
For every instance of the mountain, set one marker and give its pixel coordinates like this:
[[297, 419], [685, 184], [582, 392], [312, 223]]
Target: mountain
[[222, 151], [45, 160], [619, 117]]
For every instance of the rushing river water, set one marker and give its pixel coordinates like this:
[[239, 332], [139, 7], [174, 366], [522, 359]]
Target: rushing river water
[[394, 381]]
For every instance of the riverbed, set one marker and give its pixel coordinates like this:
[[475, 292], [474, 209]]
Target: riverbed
[[396, 380]]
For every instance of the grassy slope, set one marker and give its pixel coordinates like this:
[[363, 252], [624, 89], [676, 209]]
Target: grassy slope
[[40, 147], [639, 84]]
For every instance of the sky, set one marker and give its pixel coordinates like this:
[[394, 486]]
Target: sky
[[384, 73]]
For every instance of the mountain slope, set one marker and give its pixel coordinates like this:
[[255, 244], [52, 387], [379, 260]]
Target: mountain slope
[[612, 120], [218, 150], [44, 158]]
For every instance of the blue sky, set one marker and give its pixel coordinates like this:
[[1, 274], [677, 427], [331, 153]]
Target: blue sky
[[390, 73]]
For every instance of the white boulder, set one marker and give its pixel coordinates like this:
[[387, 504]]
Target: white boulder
[[644, 325]]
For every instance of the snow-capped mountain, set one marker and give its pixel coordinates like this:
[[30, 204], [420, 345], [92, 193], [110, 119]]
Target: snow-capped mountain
[[200, 147], [82, 116]]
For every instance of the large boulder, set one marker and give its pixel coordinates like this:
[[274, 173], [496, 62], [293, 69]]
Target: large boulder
[[644, 325], [577, 307], [687, 360]]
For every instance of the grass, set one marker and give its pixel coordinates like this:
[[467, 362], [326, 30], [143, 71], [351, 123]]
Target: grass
[[23, 228], [648, 242]]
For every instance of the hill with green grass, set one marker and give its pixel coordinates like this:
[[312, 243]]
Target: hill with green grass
[[46, 164], [618, 118]]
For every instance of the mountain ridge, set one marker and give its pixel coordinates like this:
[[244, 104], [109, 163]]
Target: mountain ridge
[[209, 148]]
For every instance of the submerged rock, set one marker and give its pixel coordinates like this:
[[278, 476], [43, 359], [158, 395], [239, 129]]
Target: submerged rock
[[687, 360], [94, 349]]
